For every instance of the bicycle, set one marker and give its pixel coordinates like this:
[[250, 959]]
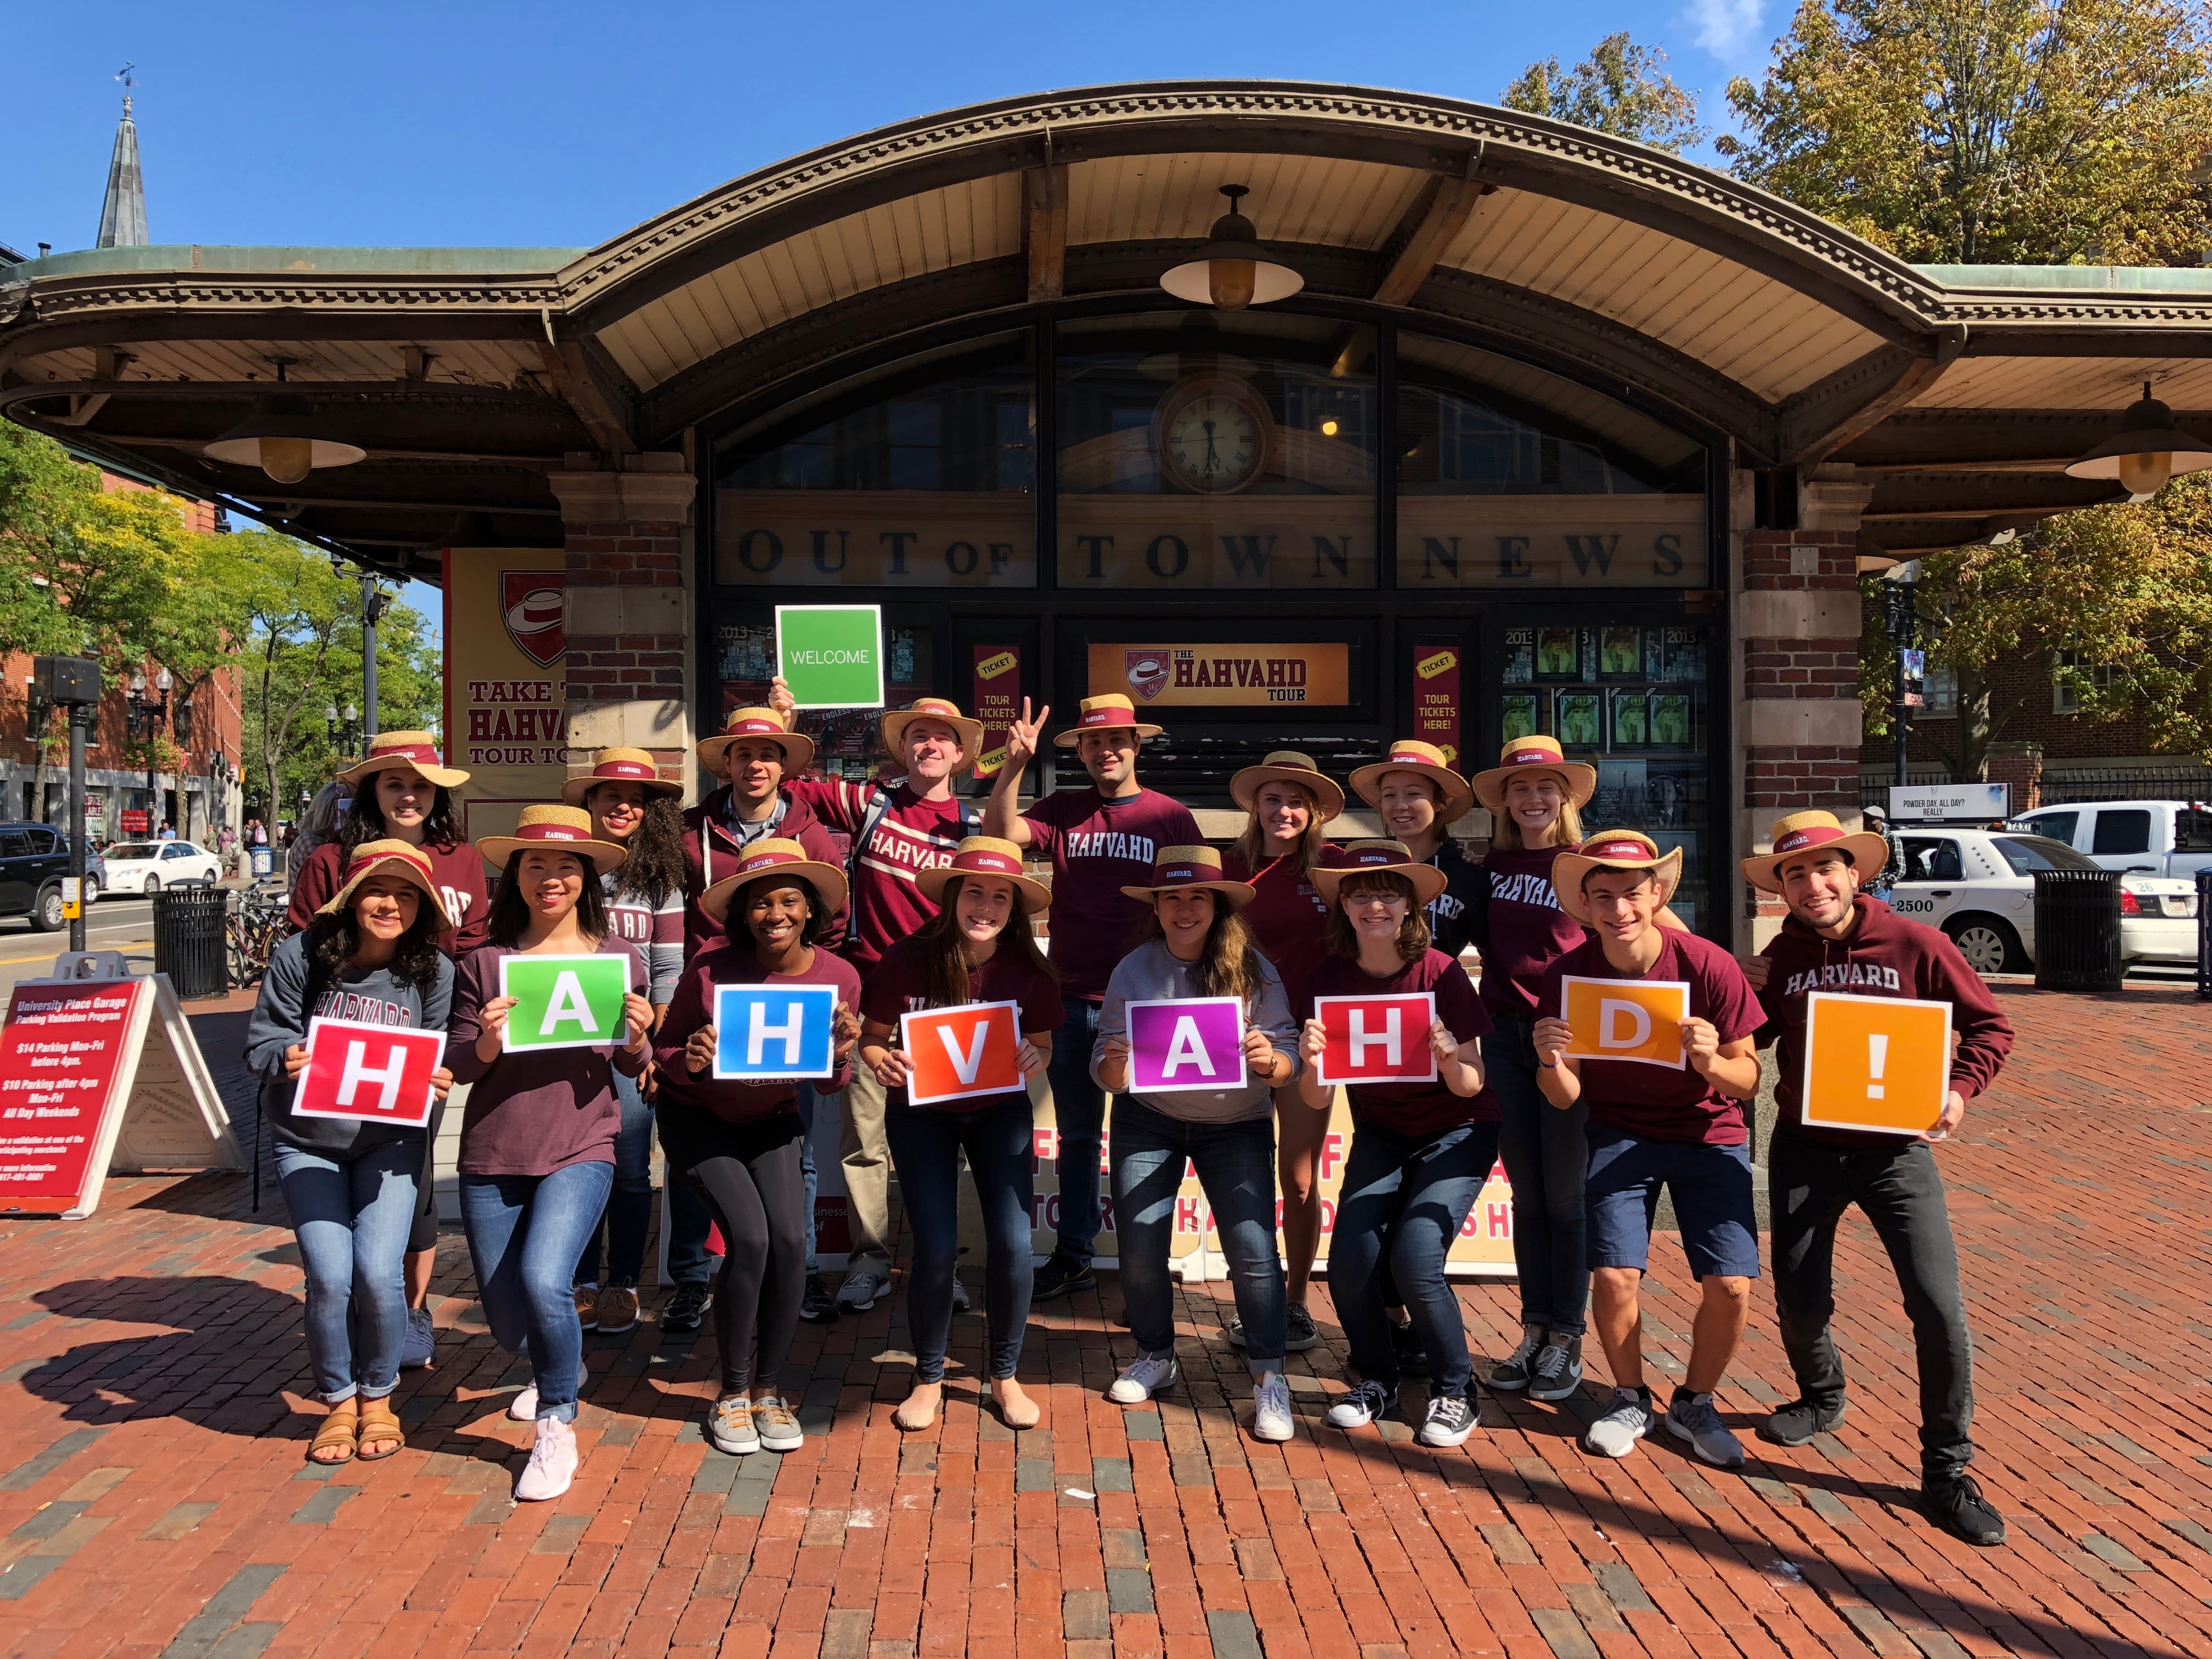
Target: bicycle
[[253, 927]]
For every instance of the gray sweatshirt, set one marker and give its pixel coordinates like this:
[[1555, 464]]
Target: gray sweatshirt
[[1152, 973]]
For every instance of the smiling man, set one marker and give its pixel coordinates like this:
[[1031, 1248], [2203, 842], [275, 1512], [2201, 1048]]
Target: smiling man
[[1837, 939]]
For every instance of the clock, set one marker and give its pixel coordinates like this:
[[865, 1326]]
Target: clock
[[1215, 434]]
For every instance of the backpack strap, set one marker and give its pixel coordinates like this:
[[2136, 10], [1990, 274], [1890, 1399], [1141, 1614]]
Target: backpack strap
[[878, 808]]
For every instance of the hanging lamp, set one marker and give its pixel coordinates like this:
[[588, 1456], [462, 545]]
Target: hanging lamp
[[1233, 269]]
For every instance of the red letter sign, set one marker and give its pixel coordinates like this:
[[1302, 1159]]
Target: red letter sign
[[373, 1074], [962, 1053], [1376, 1039]]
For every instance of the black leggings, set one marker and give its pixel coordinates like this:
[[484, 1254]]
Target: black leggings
[[753, 1185]]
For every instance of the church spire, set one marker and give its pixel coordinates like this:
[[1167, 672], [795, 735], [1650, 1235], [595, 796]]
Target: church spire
[[123, 214]]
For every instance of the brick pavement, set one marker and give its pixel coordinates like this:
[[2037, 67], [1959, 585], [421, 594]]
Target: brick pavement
[[154, 1498]]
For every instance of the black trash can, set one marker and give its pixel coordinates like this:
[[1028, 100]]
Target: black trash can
[[2077, 930], [2204, 933], [188, 923]]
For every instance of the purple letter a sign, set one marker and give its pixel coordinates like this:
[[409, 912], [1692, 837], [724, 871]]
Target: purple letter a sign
[[1194, 1043]]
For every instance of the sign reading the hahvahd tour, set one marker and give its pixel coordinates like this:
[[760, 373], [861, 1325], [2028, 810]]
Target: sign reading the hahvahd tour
[[369, 1073], [764, 1033], [1638, 1019], [564, 1002], [1878, 1063], [964, 1053], [1376, 1039], [1190, 1042], [831, 656]]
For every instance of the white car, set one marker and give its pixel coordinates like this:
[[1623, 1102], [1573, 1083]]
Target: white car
[[147, 866], [1978, 886], [2155, 837]]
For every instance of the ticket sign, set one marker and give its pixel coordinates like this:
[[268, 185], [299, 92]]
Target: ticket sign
[[369, 1073], [965, 1053], [1189, 1042], [1878, 1063], [1376, 1039], [564, 1002], [763, 1032], [831, 656], [1637, 1019]]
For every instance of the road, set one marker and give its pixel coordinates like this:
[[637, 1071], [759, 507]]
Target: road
[[115, 924]]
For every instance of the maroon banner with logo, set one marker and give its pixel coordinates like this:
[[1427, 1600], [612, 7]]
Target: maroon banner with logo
[[998, 700], [1436, 698]]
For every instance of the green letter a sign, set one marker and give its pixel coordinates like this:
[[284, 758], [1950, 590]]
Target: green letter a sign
[[564, 1002]]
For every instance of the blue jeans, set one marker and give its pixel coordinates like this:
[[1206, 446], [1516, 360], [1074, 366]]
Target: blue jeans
[[1078, 1106], [925, 1148], [1404, 1200], [352, 1217], [1236, 1168], [628, 1214], [1547, 1156], [525, 1235]]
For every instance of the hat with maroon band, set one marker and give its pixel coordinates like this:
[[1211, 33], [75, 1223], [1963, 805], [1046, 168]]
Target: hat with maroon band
[[390, 858], [619, 766], [553, 829], [1392, 858], [1175, 868], [1535, 754], [1287, 766], [945, 712], [769, 857], [1612, 849], [986, 855], [1112, 712], [1454, 798], [1809, 832], [765, 725], [389, 750]]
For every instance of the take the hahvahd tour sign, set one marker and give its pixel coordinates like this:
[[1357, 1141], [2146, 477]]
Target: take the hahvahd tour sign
[[1878, 1063], [765, 1033], [1376, 1039], [369, 1073], [831, 656], [1188, 1043], [1638, 1019], [962, 1053], [564, 1002]]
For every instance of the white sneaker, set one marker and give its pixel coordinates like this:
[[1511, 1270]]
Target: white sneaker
[[523, 1408], [1627, 1421], [1271, 1408], [1141, 1381], [862, 1290], [552, 1462], [960, 1303]]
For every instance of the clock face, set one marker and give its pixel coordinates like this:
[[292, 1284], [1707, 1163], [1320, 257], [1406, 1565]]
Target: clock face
[[1215, 440]]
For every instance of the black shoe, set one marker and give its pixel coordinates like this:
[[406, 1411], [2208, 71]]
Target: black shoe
[[1798, 1422], [1059, 1275], [820, 1308], [1412, 1357], [684, 1307], [1955, 1504]]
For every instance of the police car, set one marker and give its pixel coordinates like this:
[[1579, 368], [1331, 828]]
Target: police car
[[1978, 886]]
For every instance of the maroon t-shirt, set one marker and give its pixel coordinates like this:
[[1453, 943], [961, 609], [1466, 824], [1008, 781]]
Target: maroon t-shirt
[[1411, 1109], [1657, 1101], [456, 866], [900, 985], [693, 1007], [1097, 846], [1529, 931], [1288, 917], [912, 834]]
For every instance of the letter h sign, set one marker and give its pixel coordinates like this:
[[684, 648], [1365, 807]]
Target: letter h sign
[[368, 1073], [1376, 1039], [770, 1033]]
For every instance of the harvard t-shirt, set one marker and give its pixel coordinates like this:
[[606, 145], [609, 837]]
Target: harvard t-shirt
[[913, 835], [1097, 846], [1657, 1101], [1287, 917], [1418, 1110], [900, 985], [1529, 931]]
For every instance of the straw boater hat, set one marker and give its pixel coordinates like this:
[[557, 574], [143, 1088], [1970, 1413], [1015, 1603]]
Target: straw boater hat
[[1104, 714], [392, 858], [774, 856], [1537, 754], [561, 828], [619, 766], [986, 855], [418, 750], [1176, 867], [797, 750], [945, 712], [1612, 849], [1287, 766], [1379, 857], [1805, 832], [1410, 755]]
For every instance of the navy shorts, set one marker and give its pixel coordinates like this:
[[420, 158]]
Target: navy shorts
[[1711, 1187]]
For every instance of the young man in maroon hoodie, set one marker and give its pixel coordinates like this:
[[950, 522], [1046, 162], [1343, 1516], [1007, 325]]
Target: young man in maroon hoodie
[[1837, 938]]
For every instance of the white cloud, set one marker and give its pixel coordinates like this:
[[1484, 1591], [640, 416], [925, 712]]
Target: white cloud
[[1728, 29]]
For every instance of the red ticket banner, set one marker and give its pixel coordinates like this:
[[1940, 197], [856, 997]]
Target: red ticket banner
[[966, 1053], [1436, 698], [1376, 1039], [63, 1084], [369, 1073], [998, 693]]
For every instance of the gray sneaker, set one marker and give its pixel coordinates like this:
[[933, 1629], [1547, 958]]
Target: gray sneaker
[[1558, 1371], [1512, 1372], [1691, 1418], [1627, 1420], [862, 1290]]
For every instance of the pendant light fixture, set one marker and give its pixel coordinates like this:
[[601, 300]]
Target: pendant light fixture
[[2147, 450], [284, 437], [1233, 270]]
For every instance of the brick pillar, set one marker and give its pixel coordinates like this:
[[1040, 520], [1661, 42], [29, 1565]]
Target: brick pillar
[[2021, 765], [628, 531]]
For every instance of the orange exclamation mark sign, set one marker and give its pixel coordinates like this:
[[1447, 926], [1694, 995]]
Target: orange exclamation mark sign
[[1877, 1058]]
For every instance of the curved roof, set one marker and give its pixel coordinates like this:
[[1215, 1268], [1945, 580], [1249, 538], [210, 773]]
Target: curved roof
[[469, 374]]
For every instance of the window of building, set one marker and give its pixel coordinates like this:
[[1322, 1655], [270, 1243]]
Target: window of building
[[2065, 698], [1942, 690]]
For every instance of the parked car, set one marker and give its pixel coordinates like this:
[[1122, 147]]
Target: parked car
[[2158, 837], [33, 859], [95, 875], [147, 866], [1978, 886]]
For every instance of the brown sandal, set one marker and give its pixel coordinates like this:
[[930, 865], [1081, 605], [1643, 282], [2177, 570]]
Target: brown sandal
[[379, 1428], [341, 1431]]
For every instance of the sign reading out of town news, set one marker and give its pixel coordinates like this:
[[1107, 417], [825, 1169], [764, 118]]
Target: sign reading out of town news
[[831, 656]]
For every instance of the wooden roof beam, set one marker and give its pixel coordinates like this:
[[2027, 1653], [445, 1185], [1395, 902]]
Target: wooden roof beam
[[1430, 226], [1859, 397], [598, 402], [1044, 229]]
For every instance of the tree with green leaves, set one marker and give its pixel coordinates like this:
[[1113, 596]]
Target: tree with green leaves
[[1620, 88]]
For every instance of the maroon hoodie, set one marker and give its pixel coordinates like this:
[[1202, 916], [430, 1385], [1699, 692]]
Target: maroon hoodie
[[1883, 955], [711, 852]]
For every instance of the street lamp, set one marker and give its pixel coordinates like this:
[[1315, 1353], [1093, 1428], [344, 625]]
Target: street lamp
[[345, 729], [1900, 615], [148, 713]]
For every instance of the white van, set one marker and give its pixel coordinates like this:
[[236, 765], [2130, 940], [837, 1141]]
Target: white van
[[2158, 837]]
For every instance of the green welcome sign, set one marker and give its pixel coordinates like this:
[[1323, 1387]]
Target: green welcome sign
[[564, 1002], [831, 655]]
